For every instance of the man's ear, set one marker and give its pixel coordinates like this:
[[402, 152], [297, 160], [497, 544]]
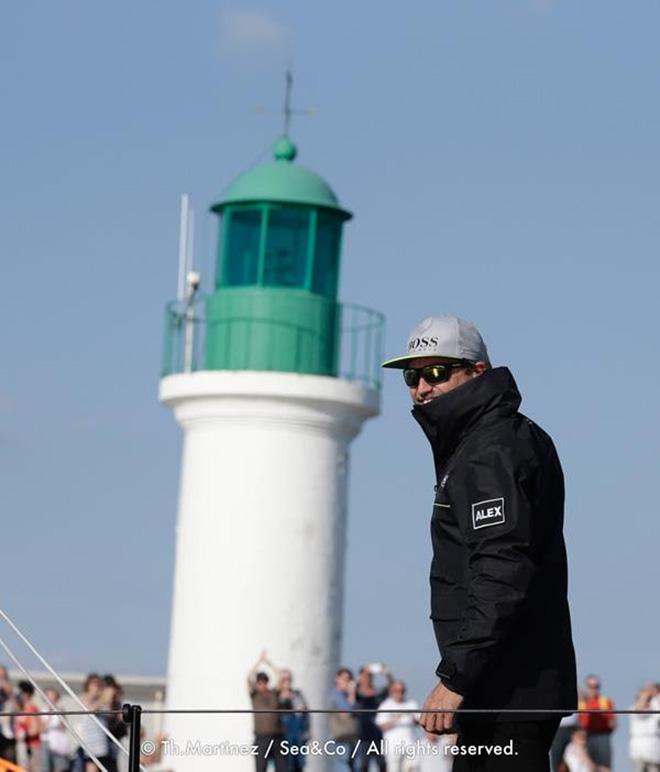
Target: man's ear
[[479, 368]]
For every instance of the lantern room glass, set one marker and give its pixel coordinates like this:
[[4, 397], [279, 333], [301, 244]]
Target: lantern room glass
[[286, 255], [326, 254], [274, 245], [241, 260]]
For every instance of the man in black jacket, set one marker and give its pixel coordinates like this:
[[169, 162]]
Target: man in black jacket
[[498, 575]]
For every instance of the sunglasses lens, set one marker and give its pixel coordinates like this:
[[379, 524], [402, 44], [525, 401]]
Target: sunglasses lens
[[411, 377], [435, 373], [431, 373]]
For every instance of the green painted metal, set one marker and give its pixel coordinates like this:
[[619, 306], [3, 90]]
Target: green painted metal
[[282, 181], [284, 149], [271, 328], [311, 248], [358, 340]]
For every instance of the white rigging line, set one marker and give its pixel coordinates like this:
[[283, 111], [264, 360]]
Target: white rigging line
[[64, 685], [50, 704]]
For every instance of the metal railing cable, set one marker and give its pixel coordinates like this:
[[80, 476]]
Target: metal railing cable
[[63, 684], [329, 711]]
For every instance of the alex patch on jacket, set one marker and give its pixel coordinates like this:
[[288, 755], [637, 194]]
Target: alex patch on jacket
[[489, 512]]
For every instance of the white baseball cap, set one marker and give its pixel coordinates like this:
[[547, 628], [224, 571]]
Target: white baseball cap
[[443, 336]]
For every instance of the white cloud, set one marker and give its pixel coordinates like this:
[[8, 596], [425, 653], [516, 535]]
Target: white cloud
[[253, 33]]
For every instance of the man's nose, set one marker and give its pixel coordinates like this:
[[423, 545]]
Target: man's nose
[[423, 387]]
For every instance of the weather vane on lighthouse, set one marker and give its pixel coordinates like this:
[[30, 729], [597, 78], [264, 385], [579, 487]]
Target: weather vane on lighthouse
[[288, 110]]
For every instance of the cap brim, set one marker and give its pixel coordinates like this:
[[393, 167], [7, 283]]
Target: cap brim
[[401, 362]]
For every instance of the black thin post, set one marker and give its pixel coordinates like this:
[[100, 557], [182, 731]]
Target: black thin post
[[131, 714]]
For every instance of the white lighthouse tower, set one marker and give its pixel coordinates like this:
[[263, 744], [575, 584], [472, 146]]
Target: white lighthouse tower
[[270, 379]]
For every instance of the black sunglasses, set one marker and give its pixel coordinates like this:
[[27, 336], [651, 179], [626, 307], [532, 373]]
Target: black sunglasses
[[431, 373]]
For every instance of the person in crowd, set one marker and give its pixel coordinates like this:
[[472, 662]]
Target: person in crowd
[[296, 725], [399, 729], [111, 696], [91, 729], [645, 730], [598, 726], [563, 737], [367, 697], [268, 729], [152, 755], [441, 759], [28, 728], [55, 745], [344, 725], [7, 704], [576, 754]]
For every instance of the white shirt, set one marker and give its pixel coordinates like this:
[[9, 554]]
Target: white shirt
[[93, 736], [575, 760], [404, 729], [56, 736], [645, 735]]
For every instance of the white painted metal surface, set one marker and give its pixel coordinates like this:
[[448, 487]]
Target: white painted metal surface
[[260, 544]]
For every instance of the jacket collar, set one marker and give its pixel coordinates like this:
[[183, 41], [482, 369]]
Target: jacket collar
[[448, 418]]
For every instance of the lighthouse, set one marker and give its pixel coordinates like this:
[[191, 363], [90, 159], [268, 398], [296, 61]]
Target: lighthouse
[[270, 378]]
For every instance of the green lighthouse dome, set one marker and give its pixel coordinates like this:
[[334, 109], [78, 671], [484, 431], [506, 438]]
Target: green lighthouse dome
[[282, 181]]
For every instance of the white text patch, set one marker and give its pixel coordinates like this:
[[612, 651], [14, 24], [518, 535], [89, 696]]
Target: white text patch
[[485, 513]]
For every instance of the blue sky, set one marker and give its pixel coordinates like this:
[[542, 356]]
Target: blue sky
[[501, 161]]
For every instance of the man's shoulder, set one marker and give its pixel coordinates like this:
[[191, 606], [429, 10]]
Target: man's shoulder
[[513, 436]]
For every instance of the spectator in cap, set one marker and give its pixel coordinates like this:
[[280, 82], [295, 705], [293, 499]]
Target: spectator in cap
[[498, 576]]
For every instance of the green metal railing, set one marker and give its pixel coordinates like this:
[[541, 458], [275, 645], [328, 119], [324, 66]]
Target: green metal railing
[[359, 341]]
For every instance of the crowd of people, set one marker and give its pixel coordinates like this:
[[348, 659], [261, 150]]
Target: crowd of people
[[372, 708], [384, 720], [47, 743], [584, 740]]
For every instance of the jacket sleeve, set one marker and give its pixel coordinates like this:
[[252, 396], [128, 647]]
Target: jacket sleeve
[[495, 516]]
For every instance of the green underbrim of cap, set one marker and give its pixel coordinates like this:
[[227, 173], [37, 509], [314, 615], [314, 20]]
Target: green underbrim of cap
[[401, 362]]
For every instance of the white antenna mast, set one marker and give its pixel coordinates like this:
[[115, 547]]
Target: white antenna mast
[[190, 242], [183, 247], [191, 285]]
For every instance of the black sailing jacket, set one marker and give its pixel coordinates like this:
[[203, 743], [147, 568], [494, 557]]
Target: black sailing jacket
[[498, 576]]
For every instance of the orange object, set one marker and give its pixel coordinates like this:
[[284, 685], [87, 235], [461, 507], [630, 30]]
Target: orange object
[[7, 766], [596, 723]]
